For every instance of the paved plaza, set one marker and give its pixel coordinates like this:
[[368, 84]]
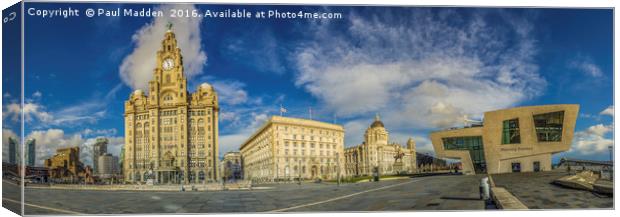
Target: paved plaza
[[421, 193], [444, 192], [536, 192]]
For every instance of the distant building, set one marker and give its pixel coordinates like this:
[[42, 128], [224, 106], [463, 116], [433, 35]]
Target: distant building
[[287, 148], [121, 158], [510, 140], [427, 163], [65, 166], [231, 166], [31, 152], [99, 148], [579, 164], [12, 150], [108, 166], [377, 152]]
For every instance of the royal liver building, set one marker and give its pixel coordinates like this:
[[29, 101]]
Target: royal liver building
[[171, 135]]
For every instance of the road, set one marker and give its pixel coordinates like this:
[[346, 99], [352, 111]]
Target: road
[[423, 193]]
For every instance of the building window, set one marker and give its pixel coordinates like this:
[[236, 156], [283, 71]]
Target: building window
[[510, 132], [201, 176], [516, 167], [473, 144], [536, 166], [549, 126]]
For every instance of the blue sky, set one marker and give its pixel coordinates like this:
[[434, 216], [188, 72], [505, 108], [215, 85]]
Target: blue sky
[[421, 69]]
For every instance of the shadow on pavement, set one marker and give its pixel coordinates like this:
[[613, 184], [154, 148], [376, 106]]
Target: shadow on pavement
[[460, 198]]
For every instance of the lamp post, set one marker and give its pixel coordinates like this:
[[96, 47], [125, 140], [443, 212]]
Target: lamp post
[[338, 165], [299, 172], [277, 170]]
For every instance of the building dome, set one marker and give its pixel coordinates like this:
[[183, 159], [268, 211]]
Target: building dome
[[377, 122], [138, 92], [205, 85]]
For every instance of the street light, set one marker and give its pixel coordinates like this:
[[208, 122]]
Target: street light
[[299, 172], [338, 165]]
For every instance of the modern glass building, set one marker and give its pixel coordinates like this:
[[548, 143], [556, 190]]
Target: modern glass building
[[31, 152], [511, 140]]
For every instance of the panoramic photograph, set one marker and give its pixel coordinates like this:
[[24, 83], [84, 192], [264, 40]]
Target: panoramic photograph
[[130, 108]]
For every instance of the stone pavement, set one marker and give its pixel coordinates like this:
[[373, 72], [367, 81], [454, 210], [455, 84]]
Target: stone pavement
[[422, 193], [536, 192]]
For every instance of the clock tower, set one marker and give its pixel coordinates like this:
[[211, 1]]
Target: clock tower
[[171, 135]]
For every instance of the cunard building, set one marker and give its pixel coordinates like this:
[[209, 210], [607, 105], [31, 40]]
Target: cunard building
[[171, 135]]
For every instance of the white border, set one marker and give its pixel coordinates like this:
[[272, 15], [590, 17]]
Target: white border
[[484, 3]]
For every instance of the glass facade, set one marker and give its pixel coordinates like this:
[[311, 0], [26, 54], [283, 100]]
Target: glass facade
[[510, 132], [471, 143], [549, 126]]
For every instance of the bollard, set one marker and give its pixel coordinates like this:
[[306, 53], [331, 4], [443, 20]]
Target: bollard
[[484, 188]]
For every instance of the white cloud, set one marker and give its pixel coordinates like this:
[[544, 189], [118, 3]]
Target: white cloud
[[228, 116], [89, 111], [592, 140], [37, 94], [99, 132], [587, 66], [137, 68], [231, 92], [232, 141], [31, 111], [608, 111], [420, 69]]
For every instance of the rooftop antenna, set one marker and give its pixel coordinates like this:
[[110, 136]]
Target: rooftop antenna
[[169, 26]]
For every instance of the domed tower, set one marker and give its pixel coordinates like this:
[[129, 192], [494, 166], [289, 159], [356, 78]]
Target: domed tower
[[413, 165], [376, 134], [411, 144]]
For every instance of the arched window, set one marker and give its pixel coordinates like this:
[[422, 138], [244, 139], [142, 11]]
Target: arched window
[[201, 176], [168, 97], [146, 131], [191, 177]]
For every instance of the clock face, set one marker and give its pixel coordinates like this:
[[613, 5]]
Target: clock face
[[168, 64]]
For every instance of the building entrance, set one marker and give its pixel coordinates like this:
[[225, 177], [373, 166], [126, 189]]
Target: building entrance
[[474, 145]]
